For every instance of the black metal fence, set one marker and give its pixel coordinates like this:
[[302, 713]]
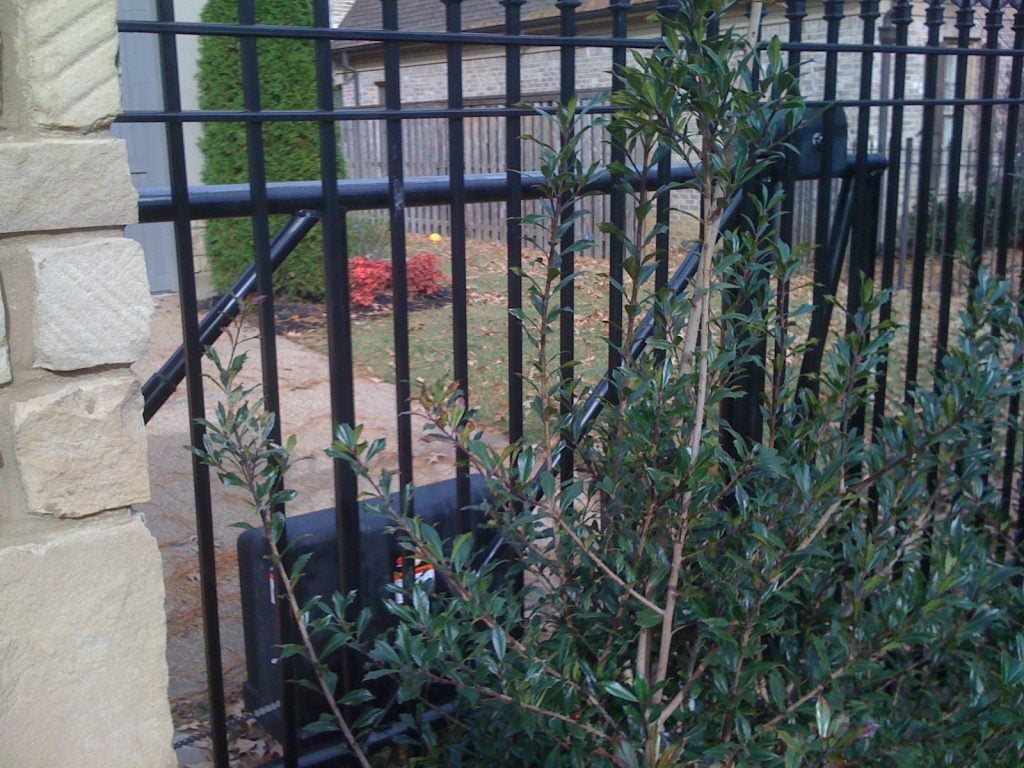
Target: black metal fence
[[879, 214]]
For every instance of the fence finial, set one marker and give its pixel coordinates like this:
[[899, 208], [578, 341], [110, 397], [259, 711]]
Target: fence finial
[[994, 17], [869, 10], [796, 9], [901, 13], [935, 13], [834, 10]]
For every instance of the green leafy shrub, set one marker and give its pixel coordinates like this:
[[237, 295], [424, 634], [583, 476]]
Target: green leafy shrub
[[287, 81], [837, 602], [938, 210], [369, 234], [819, 595]]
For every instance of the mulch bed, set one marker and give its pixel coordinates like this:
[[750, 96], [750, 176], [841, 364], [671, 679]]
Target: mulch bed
[[300, 316]]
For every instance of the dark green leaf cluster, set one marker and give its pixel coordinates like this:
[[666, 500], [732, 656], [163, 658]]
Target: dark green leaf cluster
[[287, 79], [709, 98], [839, 601]]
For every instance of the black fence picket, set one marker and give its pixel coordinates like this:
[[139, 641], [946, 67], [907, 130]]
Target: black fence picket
[[941, 202]]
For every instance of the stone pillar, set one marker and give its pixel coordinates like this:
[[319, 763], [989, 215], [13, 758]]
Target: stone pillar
[[83, 676]]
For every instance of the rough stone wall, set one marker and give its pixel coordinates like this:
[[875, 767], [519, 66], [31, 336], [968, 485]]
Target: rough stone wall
[[83, 677]]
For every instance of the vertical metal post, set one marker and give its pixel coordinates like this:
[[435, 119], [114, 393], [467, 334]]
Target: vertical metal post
[[567, 346], [668, 9], [796, 10], [260, 216], [456, 176], [339, 329], [743, 413], [933, 20], [886, 36], [514, 225], [1009, 185], [863, 238], [993, 25], [194, 389], [905, 215], [833, 14], [617, 203], [1007, 199], [399, 281], [833, 20], [964, 24], [863, 247]]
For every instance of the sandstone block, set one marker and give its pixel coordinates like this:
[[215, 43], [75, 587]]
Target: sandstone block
[[83, 676], [61, 184], [81, 449], [92, 304], [68, 62], [5, 354]]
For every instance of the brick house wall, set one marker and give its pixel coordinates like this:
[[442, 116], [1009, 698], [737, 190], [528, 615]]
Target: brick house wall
[[424, 81]]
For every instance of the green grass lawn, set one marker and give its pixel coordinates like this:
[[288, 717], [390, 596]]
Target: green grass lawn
[[431, 330]]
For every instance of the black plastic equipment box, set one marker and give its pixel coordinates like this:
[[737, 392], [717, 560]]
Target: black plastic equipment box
[[315, 532]]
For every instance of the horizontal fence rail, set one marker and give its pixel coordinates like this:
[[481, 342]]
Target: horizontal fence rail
[[910, 178], [234, 200]]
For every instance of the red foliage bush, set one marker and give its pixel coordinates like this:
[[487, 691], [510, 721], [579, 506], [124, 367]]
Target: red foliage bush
[[369, 278], [424, 278]]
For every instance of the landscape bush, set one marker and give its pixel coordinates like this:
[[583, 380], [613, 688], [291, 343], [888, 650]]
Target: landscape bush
[[287, 80], [370, 278], [938, 209], [424, 276], [369, 234]]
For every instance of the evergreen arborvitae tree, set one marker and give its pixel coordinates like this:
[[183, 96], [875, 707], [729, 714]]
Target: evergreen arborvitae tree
[[287, 81]]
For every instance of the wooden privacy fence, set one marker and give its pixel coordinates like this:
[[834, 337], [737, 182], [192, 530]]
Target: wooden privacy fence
[[426, 154], [426, 140]]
